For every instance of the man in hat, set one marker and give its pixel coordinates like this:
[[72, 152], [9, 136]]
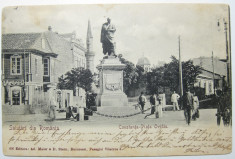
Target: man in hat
[[142, 101], [188, 106]]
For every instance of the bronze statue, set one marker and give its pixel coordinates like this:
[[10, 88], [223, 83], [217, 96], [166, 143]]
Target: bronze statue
[[107, 38]]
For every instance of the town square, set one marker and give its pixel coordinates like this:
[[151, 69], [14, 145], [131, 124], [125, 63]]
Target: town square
[[94, 66]]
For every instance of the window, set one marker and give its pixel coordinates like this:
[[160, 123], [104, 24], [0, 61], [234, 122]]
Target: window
[[36, 66], [15, 65], [46, 66], [210, 88]]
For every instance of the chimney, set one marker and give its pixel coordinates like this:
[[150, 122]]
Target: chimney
[[49, 28]]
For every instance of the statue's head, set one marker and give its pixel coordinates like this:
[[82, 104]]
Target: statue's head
[[108, 20]]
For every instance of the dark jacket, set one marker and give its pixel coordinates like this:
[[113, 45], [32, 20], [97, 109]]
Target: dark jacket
[[153, 100], [188, 100]]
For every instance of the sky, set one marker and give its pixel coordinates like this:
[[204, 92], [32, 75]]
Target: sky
[[149, 30]]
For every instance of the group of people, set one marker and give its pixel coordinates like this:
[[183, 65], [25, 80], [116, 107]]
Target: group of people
[[156, 102], [190, 105]]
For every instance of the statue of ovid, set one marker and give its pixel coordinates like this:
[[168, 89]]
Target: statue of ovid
[[107, 38]]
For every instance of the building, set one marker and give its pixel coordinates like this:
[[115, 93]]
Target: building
[[207, 79], [144, 62], [26, 62], [32, 63]]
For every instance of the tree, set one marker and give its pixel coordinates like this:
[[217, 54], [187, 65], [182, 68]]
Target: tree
[[190, 73], [129, 74], [77, 77], [155, 80], [133, 77], [168, 75]]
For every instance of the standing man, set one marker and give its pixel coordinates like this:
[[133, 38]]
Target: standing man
[[153, 103], [161, 104], [142, 101], [174, 99], [52, 106], [188, 105], [107, 38]]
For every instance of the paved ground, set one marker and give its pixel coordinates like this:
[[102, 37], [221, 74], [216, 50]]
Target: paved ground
[[170, 118]]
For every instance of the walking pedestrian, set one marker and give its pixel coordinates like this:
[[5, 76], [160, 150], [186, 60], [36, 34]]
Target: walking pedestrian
[[174, 99], [142, 101], [69, 112], [195, 112], [188, 106]]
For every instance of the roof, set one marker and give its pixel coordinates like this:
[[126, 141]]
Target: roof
[[25, 41], [57, 43], [220, 67], [19, 41], [143, 61], [54, 42]]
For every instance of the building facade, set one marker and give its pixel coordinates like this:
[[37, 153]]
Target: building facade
[[213, 74], [33, 62], [26, 64], [144, 62]]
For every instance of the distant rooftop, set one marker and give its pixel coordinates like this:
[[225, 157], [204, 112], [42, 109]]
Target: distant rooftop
[[143, 61], [220, 67]]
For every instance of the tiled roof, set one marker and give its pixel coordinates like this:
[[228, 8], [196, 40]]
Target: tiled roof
[[54, 42], [19, 41], [57, 43], [206, 63], [25, 41]]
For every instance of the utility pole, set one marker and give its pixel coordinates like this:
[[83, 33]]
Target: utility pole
[[212, 60], [229, 49], [180, 76], [227, 53]]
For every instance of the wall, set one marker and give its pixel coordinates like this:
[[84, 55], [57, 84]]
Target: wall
[[37, 76]]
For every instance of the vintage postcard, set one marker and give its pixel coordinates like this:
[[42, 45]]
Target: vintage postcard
[[103, 80]]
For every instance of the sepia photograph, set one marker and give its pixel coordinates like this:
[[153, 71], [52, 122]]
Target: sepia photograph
[[116, 80]]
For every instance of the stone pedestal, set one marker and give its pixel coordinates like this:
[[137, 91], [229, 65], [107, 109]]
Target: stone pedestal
[[111, 83]]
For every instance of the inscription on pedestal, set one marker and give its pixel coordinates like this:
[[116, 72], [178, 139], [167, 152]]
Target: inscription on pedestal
[[111, 83]]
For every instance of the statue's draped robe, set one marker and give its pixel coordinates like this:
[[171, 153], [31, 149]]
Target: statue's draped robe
[[107, 38]]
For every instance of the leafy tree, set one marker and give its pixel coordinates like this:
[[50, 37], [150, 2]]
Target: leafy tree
[[190, 72], [141, 78], [133, 77], [155, 80], [77, 77], [168, 75], [129, 74]]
